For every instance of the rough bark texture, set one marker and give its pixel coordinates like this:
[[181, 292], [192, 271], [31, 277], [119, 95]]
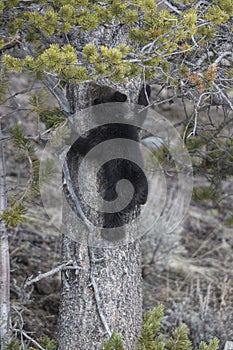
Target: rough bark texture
[[117, 294], [4, 259], [104, 293], [118, 278]]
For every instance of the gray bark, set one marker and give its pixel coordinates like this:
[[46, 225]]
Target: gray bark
[[116, 296], [103, 294], [4, 258]]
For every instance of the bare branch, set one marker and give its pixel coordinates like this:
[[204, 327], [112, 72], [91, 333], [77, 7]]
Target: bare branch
[[30, 338], [224, 54], [173, 8], [68, 183], [224, 96], [96, 292], [56, 269], [58, 94], [203, 57], [97, 299]]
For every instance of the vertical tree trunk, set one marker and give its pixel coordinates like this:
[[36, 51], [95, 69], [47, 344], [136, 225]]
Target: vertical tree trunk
[[4, 258], [103, 294], [88, 309]]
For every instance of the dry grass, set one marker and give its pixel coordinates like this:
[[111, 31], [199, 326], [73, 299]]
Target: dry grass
[[196, 286]]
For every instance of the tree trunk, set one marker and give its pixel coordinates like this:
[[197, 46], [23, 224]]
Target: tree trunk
[[4, 258], [88, 309], [102, 294]]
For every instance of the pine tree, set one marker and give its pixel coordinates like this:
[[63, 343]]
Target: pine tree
[[69, 44]]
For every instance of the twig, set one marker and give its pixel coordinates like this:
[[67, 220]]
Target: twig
[[203, 57], [32, 340], [223, 95], [68, 183], [97, 299], [173, 8], [58, 93], [96, 292], [47, 274], [23, 333], [21, 324], [224, 54]]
